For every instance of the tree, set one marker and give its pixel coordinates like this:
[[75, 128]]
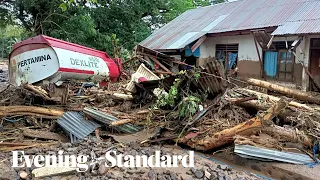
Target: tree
[[10, 35], [5, 15], [93, 23]]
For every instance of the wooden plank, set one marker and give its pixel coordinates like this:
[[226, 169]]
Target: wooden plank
[[198, 43], [44, 135], [161, 65]]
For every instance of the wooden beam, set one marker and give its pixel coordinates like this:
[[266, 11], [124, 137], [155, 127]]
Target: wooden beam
[[260, 60], [161, 65], [198, 43]]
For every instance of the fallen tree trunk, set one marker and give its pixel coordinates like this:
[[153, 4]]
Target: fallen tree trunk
[[303, 96], [286, 114], [285, 134], [252, 126], [21, 110], [274, 98], [44, 135]]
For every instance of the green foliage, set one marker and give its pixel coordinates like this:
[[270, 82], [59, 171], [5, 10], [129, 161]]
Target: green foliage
[[171, 98], [188, 106], [8, 36], [197, 75], [93, 22]]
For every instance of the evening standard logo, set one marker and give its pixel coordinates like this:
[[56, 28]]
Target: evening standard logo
[[111, 159]]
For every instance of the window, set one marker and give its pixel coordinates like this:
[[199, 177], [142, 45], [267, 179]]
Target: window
[[227, 53]]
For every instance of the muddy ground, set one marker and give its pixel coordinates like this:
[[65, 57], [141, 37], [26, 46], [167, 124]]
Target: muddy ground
[[204, 168]]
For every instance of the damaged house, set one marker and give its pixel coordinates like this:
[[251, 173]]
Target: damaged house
[[276, 40]]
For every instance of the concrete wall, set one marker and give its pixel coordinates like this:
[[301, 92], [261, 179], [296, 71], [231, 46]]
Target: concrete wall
[[306, 60], [248, 64]]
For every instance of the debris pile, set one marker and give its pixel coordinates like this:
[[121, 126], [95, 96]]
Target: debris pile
[[194, 107]]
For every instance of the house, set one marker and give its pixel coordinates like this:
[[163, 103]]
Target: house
[[269, 39]]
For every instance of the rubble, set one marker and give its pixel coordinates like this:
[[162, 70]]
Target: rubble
[[197, 108]]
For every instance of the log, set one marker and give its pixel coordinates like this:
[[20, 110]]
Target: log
[[274, 98], [285, 134], [250, 127], [300, 95], [121, 122], [6, 110], [285, 114], [44, 135]]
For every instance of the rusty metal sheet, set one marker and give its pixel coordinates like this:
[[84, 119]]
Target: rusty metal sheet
[[291, 16]]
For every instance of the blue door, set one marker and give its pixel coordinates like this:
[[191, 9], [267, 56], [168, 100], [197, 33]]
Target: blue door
[[270, 63]]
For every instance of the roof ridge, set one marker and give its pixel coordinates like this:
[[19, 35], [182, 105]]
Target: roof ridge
[[219, 4]]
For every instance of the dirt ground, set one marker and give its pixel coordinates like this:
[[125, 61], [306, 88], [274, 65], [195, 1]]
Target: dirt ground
[[221, 167], [204, 167]]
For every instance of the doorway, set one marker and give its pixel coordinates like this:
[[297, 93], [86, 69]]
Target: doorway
[[279, 63], [314, 65]]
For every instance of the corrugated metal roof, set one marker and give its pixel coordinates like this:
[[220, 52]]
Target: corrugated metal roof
[[248, 151], [292, 17], [76, 125]]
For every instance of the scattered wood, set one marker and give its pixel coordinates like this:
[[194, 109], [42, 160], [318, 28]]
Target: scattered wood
[[161, 65], [38, 90], [44, 135], [274, 98], [286, 134], [6, 149], [300, 95], [52, 171], [249, 127], [127, 97], [12, 144], [26, 110], [241, 100], [121, 122]]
